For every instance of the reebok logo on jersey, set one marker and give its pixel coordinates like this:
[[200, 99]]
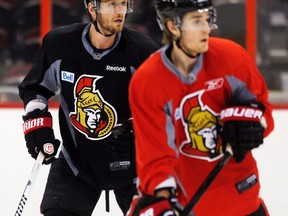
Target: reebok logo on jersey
[[115, 68], [214, 84], [67, 76], [239, 113]]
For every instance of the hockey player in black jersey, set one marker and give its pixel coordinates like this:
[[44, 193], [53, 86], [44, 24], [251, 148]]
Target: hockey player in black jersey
[[91, 66]]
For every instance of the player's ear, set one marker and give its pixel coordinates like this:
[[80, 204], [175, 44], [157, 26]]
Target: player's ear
[[172, 28], [91, 10]]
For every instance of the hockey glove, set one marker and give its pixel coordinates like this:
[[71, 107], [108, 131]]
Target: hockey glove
[[243, 128], [121, 144], [39, 135], [151, 205], [123, 128]]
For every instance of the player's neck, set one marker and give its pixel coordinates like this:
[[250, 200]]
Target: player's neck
[[99, 41], [181, 61]]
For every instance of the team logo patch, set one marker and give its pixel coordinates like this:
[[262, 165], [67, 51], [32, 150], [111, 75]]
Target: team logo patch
[[48, 148], [67, 76], [93, 116], [120, 165], [247, 183], [201, 128]]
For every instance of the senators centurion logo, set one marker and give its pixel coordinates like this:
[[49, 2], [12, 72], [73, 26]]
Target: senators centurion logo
[[201, 128], [93, 116]]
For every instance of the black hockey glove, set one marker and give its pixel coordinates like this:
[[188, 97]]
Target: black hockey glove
[[122, 129], [121, 144], [39, 135], [243, 128], [151, 205]]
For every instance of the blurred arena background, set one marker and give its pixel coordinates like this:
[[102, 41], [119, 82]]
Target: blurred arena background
[[261, 26]]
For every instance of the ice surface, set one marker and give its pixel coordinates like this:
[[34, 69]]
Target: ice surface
[[16, 165]]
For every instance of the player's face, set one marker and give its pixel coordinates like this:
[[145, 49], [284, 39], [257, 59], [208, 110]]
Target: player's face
[[195, 31], [111, 15]]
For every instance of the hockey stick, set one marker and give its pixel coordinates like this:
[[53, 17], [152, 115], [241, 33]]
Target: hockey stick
[[29, 184], [207, 182]]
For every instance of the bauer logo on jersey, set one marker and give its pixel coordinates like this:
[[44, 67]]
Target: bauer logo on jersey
[[200, 123], [93, 116], [67, 76]]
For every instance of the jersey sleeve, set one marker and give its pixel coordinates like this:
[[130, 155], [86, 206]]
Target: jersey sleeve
[[155, 147], [251, 84], [41, 80], [259, 88]]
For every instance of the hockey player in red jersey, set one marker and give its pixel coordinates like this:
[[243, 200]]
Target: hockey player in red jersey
[[90, 65], [190, 100]]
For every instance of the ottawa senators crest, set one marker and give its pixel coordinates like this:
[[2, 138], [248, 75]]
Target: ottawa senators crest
[[93, 116], [201, 128]]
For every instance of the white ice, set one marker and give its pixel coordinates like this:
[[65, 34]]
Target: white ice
[[16, 165]]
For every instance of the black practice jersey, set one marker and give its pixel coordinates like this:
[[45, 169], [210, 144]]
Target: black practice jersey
[[93, 88]]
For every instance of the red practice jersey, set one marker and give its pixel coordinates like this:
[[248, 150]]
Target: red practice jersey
[[176, 123]]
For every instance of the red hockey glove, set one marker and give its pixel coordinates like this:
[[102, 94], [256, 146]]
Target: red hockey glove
[[39, 135], [243, 128], [150, 205]]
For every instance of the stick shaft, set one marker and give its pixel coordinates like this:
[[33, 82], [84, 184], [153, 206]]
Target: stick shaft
[[210, 178], [29, 185]]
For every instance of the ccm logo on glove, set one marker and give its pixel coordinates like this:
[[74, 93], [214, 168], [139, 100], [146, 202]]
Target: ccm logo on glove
[[241, 114], [34, 124], [48, 148]]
